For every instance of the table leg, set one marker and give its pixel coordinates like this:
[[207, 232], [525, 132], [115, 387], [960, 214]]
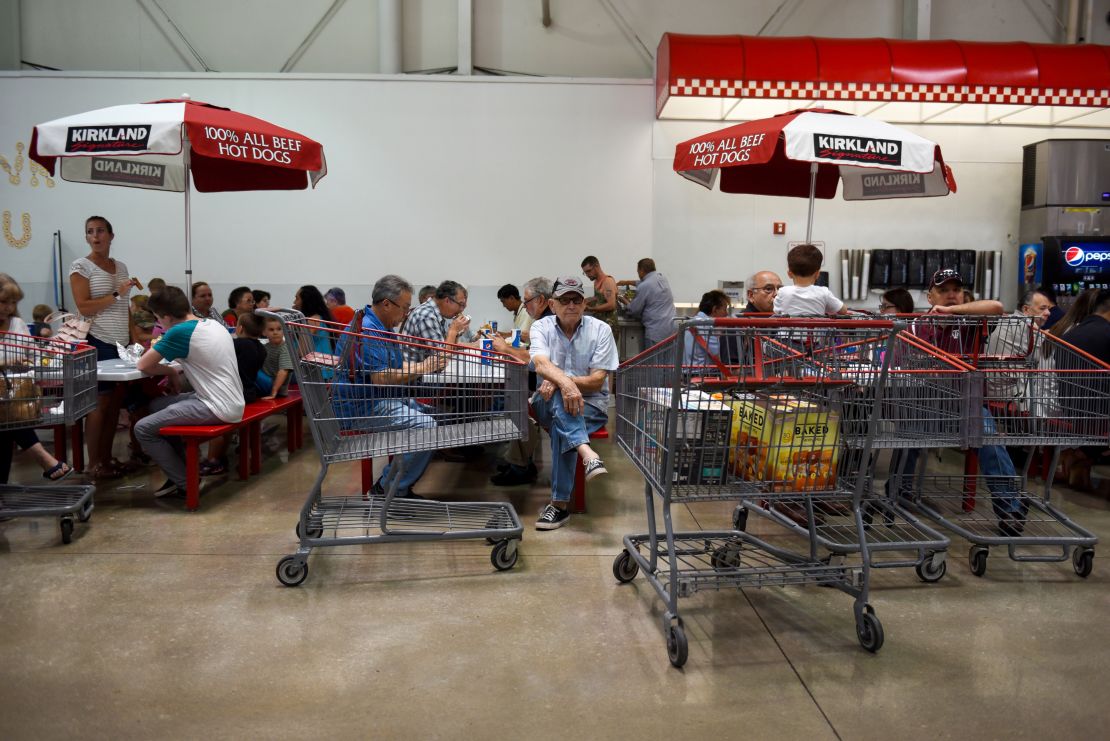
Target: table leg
[[244, 453], [367, 466], [971, 470], [77, 442], [256, 446]]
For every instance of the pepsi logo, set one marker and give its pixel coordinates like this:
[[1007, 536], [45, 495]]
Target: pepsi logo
[[1074, 256]]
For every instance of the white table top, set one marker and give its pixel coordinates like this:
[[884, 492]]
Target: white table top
[[458, 373], [119, 370]]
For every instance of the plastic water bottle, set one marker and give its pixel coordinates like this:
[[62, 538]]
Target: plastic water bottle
[[516, 337]]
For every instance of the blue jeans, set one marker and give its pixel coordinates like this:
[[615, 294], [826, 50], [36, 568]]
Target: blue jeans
[[567, 433], [404, 414], [994, 464]]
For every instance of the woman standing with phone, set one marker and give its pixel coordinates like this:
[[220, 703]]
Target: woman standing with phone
[[101, 289]]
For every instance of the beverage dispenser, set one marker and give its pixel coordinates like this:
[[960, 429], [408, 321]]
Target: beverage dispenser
[[1065, 217]]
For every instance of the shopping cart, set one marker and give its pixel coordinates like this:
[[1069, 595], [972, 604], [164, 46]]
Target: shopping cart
[[783, 412], [45, 383], [457, 396], [1029, 389], [923, 405]]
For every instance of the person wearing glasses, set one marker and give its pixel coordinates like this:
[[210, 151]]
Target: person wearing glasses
[[520, 466], [762, 289], [896, 301], [371, 391], [440, 318], [573, 355]]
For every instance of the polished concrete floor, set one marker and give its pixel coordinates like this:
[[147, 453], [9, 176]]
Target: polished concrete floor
[[159, 623]]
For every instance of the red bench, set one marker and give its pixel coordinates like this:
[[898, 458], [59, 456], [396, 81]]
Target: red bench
[[250, 443]]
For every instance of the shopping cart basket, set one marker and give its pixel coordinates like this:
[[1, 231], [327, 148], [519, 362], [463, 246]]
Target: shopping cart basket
[[1030, 389], [457, 396], [45, 383], [784, 414]]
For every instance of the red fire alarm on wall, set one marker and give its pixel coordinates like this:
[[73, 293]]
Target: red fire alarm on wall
[[779, 227]]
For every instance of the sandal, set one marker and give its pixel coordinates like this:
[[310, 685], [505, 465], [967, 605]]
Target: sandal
[[101, 472], [58, 472]]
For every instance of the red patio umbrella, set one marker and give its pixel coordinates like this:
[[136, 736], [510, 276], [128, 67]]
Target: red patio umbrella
[[157, 146], [807, 153]]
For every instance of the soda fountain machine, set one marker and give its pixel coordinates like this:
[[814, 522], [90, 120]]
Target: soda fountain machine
[[1065, 217]]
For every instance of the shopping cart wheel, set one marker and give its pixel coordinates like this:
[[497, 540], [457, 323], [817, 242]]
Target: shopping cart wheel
[[869, 630], [725, 557], [503, 557], [677, 648], [625, 567], [66, 524], [740, 518], [977, 558], [929, 570], [312, 531], [291, 572], [1083, 560]]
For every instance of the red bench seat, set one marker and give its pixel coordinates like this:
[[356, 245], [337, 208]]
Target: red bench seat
[[250, 445]]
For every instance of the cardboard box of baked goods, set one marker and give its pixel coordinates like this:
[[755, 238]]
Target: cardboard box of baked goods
[[790, 442]]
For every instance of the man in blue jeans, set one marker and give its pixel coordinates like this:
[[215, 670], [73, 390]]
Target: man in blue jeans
[[945, 295], [372, 392], [573, 355]]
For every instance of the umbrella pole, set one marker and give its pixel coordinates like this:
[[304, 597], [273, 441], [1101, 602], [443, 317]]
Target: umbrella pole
[[812, 192], [188, 237]]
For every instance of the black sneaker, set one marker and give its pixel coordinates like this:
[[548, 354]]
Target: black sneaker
[[168, 489], [552, 518], [378, 490], [594, 467], [515, 476]]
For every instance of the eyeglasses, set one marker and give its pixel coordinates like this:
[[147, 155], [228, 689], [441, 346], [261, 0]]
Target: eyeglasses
[[886, 307], [768, 289], [405, 309], [530, 300], [575, 298], [456, 302]]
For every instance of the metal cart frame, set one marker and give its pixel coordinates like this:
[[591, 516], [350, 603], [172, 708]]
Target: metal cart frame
[[474, 397]]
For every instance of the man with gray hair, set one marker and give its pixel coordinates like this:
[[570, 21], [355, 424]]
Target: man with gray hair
[[363, 399], [574, 355], [762, 289], [440, 318], [519, 466]]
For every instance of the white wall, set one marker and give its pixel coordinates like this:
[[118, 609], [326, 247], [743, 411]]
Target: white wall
[[481, 181]]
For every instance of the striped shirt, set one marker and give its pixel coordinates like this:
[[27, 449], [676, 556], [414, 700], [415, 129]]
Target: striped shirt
[[111, 324]]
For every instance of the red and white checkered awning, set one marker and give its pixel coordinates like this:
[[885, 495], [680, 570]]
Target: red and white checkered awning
[[739, 78]]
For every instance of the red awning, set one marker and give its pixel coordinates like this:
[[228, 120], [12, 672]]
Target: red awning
[[945, 73]]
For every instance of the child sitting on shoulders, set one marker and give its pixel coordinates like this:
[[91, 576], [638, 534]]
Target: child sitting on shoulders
[[273, 379], [250, 354], [805, 297]]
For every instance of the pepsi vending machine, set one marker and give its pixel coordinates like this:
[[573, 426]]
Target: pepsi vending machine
[[1065, 217], [1074, 264]]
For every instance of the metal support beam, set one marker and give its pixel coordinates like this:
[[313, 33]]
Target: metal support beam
[[917, 19], [11, 54], [174, 35], [466, 38], [390, 32], [308, 40]]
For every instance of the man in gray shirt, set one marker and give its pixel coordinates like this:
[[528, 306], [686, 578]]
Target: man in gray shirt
[[653, 304]]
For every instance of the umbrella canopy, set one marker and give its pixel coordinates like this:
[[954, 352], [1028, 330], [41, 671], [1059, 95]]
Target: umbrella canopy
[[808, 152], [157, 145], [154, 145]]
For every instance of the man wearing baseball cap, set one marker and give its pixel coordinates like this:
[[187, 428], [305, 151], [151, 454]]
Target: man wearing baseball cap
[[946, 296], [573, 355]]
